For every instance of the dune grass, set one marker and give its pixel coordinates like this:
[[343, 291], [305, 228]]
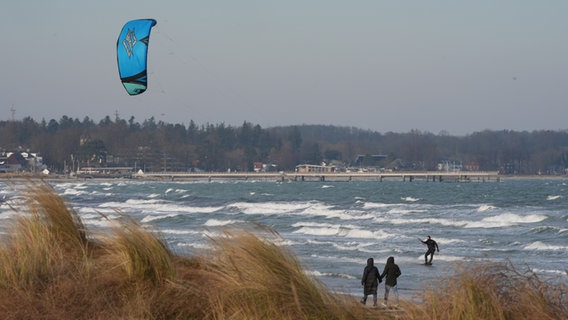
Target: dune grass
[[493, 291], [52, 268]]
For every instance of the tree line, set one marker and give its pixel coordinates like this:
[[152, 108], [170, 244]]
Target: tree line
[[158, 146]]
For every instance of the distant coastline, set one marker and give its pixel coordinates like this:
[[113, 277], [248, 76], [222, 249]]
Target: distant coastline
[[6, 177]]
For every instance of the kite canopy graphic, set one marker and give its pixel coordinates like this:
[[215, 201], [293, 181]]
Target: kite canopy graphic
[[132, 53]]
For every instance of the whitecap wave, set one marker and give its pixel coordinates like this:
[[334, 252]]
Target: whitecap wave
[[195, 245], [405, 211], [539, 245], [441, 221], [340, 259], [485, 208], [268, 208], [373, 205], [555, 197], [555, 272], [73, 192], [147, 219], [220, 223], [177, 231], [340, 231], [506, 220], [156, 206]]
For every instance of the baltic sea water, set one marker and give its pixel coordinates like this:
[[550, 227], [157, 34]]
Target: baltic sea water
[[333, 227]]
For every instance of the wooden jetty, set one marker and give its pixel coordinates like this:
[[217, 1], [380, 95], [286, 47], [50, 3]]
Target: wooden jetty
[[461, 176]]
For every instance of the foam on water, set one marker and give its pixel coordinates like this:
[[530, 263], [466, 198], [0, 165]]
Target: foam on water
[[340, 259], [74, 192], [320, 210], [506, 220], [372, 249], [440, 221], [6, 214], [220, 223], [88, 212], [555, 272], [4, 190], [268, 208], [539, 245], [195, 245], [156, 206], [341, 231], [499, 221], [147, 219], [180, 232], [555, 197], [66, 185], [485, 208], [314, 231], [329, 274], [284, 242], [131, 203], [100, 223], [325, 225], [373, 205], [307, 209], [401, 211]]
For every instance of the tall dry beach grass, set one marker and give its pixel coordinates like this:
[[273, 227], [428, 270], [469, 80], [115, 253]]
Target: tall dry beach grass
[[51, 267], [492, 291]]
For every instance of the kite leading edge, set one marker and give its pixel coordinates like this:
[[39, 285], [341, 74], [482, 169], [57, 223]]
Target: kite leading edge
[[132, 53]]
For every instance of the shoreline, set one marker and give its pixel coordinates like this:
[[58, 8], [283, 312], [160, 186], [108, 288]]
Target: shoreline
[[7, 177]]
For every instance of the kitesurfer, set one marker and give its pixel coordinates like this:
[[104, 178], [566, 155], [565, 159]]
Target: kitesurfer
[[432, 247]]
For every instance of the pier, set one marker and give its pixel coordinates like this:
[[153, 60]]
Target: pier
[[406, 176]]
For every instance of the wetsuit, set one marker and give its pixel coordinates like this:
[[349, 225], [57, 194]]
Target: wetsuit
[[432, 247]]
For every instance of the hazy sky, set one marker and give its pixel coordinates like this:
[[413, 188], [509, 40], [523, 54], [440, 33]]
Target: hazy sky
[[429, 65]]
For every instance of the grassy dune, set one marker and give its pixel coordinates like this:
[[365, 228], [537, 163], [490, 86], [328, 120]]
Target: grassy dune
[[51, 267]]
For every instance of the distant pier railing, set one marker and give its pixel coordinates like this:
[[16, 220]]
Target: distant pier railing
[[460, 176]]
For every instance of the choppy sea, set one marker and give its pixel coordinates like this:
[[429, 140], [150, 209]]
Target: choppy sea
[[333, 227]]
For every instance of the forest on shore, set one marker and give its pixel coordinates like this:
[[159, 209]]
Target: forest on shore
[[158, 146]]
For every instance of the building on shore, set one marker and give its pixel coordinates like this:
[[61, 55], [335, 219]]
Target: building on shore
[[312, 168]]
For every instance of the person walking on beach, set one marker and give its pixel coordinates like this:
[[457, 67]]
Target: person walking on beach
[[370, 281], [432, 247], [391, 272]]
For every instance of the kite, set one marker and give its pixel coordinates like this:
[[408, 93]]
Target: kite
[[132, 52]]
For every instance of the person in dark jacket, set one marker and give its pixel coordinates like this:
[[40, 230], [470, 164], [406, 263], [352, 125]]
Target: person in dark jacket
[[370, 281], [432, 247], [391, 272]]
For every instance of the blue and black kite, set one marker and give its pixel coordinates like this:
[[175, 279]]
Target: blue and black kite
[[132, 52]]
